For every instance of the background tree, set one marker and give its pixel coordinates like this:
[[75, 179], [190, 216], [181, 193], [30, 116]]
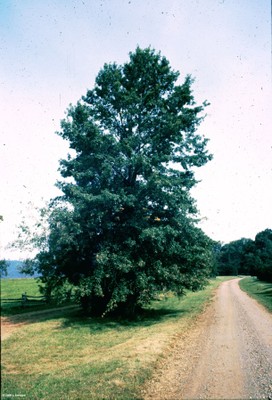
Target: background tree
[[3, 263], [248, 257], [234, 257], [3, 268], [216, 250], [125, 226], [263, 255]]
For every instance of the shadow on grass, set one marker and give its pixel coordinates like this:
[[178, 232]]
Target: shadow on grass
[[264, 292], [261, 287], [259, 290], [15, 310], [146, 318], [73, 317], [40, 314]]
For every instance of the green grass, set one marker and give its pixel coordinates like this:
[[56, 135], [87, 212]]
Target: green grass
[[72, 357], [259, 290], [14, 288]]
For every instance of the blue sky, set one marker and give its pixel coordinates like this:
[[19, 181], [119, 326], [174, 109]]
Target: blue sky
[[52, 50]]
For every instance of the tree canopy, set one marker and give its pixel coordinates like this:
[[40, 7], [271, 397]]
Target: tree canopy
[[263, 255], [3, 263], [232, 257], [248, 257], [125, 227]]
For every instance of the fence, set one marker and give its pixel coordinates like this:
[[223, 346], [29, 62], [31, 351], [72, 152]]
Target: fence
[[26, 300]]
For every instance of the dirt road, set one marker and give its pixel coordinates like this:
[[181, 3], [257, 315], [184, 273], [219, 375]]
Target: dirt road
[[226, 355]]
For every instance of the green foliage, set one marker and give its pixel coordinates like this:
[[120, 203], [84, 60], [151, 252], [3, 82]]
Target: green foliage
[[234, 257], [248, 257], [263, 255], [216, 248], [125, 225], [58, 293], [33, 234], [3, 268], [3, 263]]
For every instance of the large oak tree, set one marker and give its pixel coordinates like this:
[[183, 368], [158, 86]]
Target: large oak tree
[[125, 228]]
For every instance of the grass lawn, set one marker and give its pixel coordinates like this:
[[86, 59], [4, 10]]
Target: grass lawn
[[75, 357], [259, 290]]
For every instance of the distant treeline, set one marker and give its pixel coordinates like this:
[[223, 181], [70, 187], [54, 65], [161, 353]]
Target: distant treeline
[[246, 257], [13, 270]]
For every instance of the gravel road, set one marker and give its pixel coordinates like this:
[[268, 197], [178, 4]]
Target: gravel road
[[226, 355]]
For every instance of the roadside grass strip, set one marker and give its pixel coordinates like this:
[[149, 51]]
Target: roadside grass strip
[[259, 290], [76, 357]]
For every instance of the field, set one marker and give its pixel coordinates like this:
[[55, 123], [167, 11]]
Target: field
[[13, 289], [259, 290], [72, 357]]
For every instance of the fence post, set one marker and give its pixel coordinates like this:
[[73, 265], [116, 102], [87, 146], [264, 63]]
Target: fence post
[[24, 299]]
